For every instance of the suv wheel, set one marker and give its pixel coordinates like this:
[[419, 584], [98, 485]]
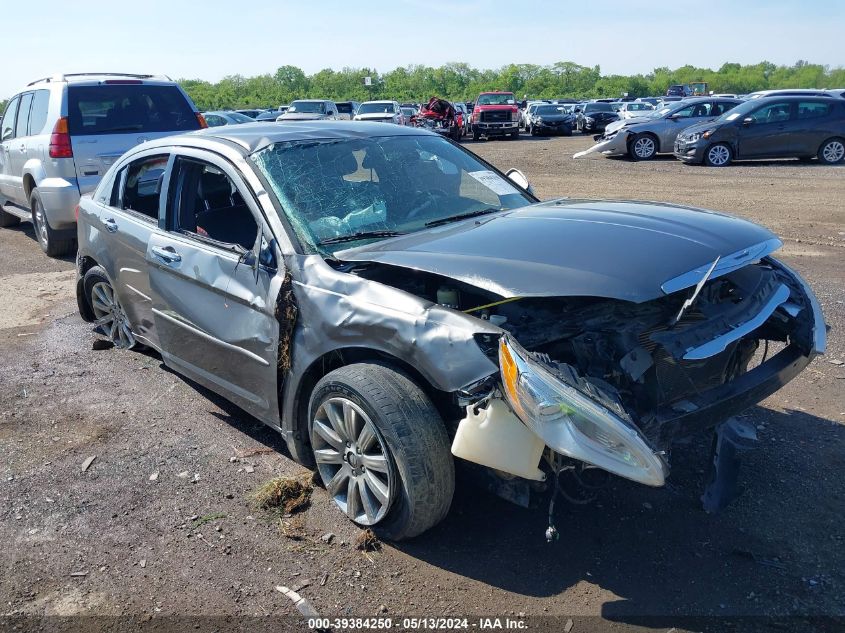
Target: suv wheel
[[50, 244], [832, 151], [381, 450], [108, 313]]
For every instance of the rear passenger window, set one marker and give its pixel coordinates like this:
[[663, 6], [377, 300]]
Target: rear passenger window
[[813, 110], [38, 112], [139, 186], [208, 204], [23, 116], [8, 129]]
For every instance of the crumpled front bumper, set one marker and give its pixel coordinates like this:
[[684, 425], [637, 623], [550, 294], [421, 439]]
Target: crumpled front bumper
[[614, 145], [707, 409]]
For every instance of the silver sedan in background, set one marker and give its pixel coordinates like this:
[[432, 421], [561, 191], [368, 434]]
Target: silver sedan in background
[[642, 138]]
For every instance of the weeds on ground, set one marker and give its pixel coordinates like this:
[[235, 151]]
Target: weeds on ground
[[284, 495], [367, 541]]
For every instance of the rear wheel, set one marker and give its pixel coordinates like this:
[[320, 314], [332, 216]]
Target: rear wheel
[[109, 315], [50, 243], [832, 151], [643, 147], [381, 450], [718, 155]]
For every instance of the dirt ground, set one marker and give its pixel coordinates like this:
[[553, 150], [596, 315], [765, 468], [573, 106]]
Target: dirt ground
[[160, 523]]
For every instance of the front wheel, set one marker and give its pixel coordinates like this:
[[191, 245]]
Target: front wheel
[[381, 450], [718, 155], [832, 151], [643, 147], [475, 135]]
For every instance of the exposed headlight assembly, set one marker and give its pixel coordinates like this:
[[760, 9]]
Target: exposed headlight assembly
[[572, 423], [589, 119]]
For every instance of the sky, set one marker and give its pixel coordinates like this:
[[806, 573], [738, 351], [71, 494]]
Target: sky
[[212, 39]]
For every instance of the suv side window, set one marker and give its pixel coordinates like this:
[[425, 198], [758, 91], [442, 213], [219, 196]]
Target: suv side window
[[813, 110], [139, 185], [23, 115], [9, 119], [207, 204], [38, 112]]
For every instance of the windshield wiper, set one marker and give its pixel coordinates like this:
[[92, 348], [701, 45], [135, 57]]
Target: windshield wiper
[[362, 235], [463, 216]]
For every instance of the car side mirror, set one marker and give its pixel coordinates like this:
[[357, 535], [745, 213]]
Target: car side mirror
[[748, 121], [518, 178], [674, 117]]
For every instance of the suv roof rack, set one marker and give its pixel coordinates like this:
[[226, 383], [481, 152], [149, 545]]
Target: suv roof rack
[[63, 76]]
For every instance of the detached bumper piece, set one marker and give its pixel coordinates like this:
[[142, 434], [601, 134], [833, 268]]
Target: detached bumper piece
[[732, 438]]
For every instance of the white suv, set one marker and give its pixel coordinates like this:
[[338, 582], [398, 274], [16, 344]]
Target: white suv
[[59, 136]]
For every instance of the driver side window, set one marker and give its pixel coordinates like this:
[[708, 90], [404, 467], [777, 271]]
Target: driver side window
[[207, 204]]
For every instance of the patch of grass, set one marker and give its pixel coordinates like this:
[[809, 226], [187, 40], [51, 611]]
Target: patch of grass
[[286, 495], [367, 541], [208, 518]]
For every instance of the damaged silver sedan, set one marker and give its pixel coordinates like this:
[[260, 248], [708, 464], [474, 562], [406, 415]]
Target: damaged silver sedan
[[387, 300]]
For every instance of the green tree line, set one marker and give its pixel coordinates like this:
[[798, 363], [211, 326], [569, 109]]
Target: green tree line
[[458, 81]]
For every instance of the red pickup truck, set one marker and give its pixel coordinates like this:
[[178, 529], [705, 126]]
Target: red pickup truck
[[495, 114]]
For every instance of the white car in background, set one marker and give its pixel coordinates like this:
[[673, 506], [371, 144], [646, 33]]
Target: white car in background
[[632, 109], [381, 111]]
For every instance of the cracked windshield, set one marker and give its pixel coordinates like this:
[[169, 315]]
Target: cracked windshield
[[341, 193]]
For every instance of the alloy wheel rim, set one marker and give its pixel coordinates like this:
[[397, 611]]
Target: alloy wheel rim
[[644, 147], [109, 315], [833, 152], [352, 460], [718, 155], [40, 224]]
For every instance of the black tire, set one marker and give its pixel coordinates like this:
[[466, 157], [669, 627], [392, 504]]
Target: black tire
[[641, 143], [832, 151], [515, 135], [97, 275], [475, 135], [50, 243], [7, 219], [415, 438], [718, 149]]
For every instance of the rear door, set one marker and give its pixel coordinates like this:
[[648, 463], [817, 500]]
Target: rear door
[[17, 151], [214, 310], [813, 125], [7, 137], [770, 133], [130, 213], [109, 118]]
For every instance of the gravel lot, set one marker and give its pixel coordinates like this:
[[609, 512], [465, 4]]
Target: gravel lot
[[160, 523]]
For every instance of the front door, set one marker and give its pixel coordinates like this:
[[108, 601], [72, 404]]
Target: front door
[[767, 131], [214, 309]]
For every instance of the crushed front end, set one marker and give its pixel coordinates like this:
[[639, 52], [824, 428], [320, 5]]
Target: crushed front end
[[611, 384]]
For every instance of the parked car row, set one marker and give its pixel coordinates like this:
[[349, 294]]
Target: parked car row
[[715, 131]]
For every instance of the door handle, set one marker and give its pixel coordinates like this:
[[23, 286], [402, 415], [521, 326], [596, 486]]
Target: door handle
[[167, 254], [22, 148], [111, 225]]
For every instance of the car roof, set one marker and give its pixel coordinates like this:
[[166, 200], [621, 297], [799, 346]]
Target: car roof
[[253, 137], [378, 101]]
